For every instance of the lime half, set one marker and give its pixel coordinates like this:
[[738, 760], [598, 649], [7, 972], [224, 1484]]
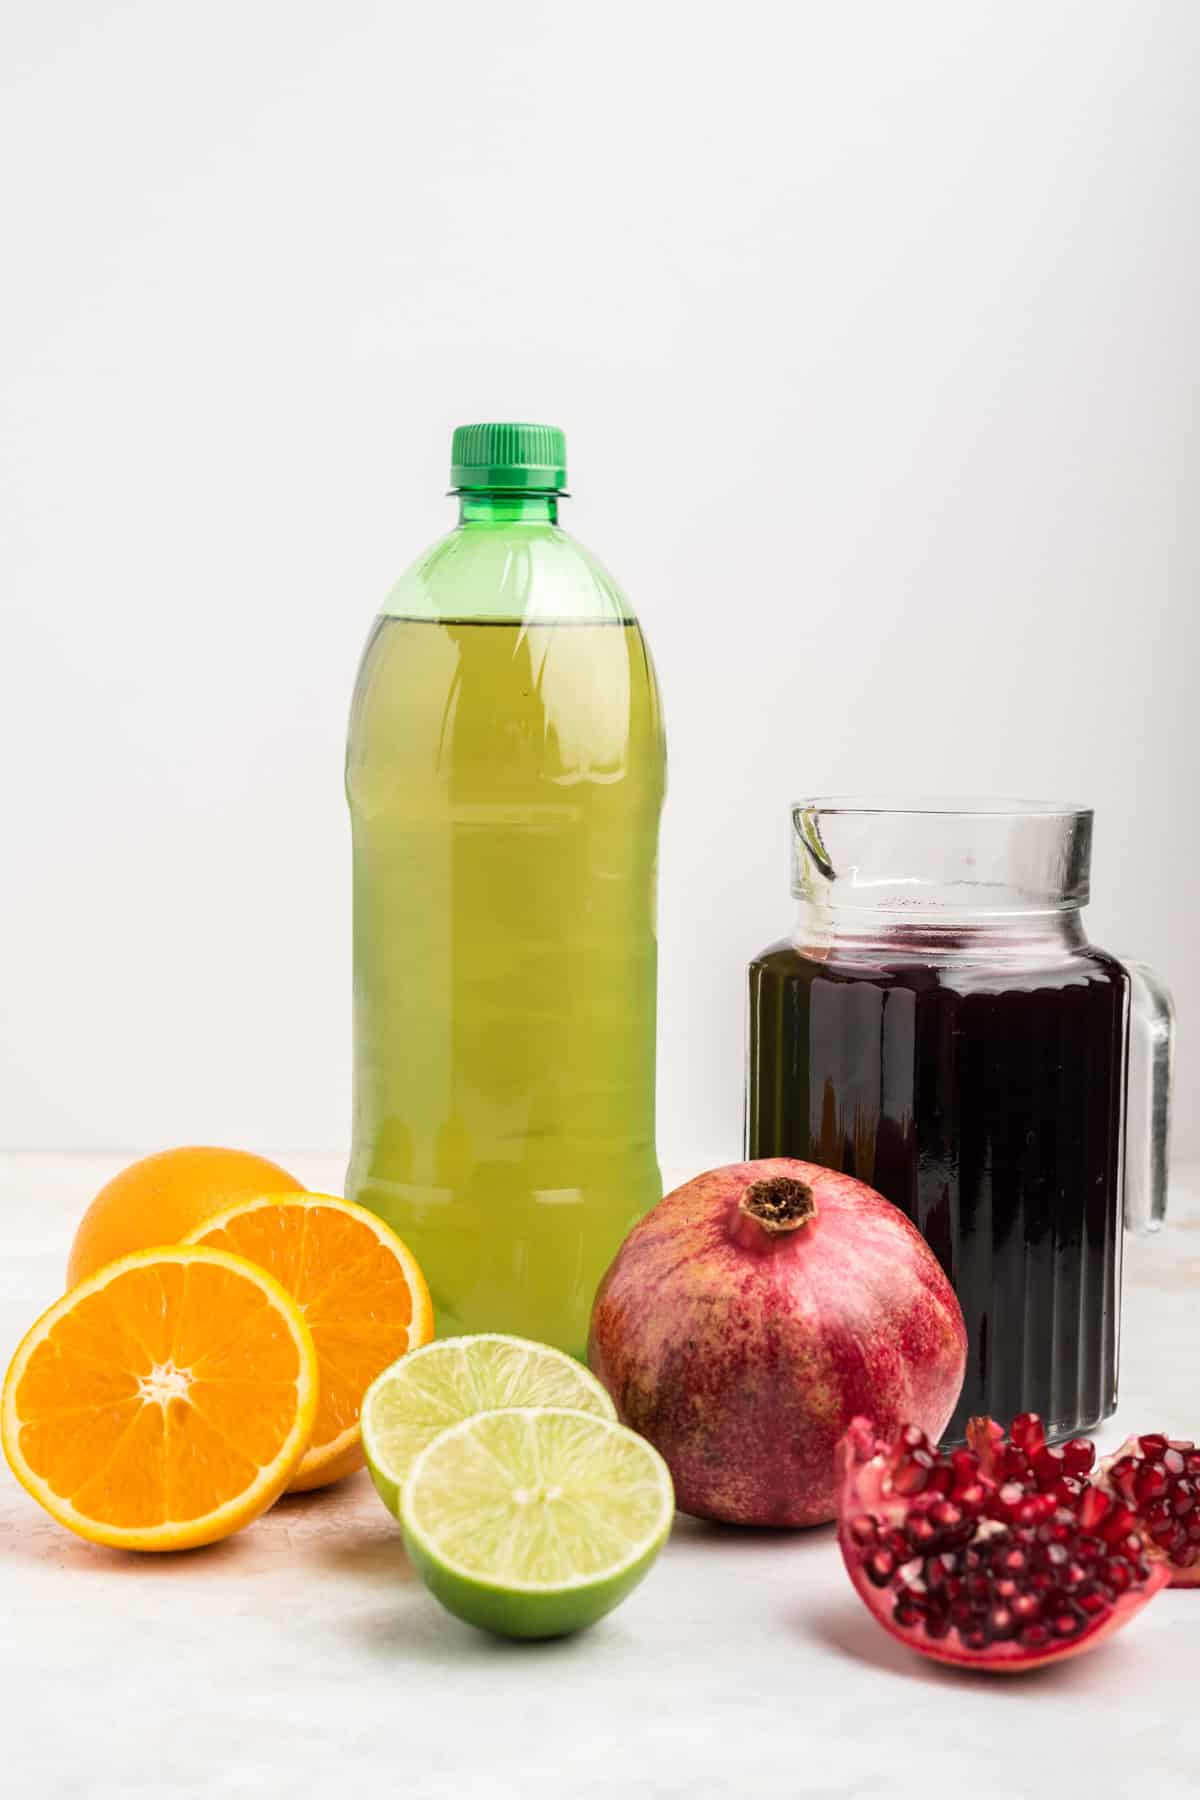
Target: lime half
[[416, 1398], [535, 1521]]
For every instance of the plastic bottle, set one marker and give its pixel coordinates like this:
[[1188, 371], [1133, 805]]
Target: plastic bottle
[[505, 774]]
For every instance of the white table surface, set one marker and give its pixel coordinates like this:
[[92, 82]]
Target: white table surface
[[303, 1656]]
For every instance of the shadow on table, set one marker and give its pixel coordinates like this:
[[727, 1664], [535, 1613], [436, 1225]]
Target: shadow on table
[[343, 1529], [366, 1549], [747, 1539], [416, 1629]]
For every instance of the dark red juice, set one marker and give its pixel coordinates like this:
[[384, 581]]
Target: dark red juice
[[985, 1099]]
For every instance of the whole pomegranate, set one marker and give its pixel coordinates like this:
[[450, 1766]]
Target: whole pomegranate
[[752, 1314]]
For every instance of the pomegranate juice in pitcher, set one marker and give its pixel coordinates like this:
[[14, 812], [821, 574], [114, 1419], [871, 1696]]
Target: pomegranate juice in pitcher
[[939, 1027]]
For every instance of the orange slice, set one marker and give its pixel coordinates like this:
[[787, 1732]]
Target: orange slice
[[163, 1403], [362, 1294]]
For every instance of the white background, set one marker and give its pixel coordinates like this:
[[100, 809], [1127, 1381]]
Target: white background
[[874, 332]]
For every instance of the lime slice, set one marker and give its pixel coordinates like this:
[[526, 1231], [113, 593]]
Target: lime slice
[[443, 1382], [535, 1521]]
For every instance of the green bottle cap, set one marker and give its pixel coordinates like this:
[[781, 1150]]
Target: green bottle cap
[[509, 457]]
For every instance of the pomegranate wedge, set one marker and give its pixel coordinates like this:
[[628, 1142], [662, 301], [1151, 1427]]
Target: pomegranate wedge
[[1159, 1478], [1001, 1557]]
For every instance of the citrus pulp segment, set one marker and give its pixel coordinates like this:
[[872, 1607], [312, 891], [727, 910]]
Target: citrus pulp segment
[[535, 1521], [409, 1404], [362, 1295], [163, 1403]]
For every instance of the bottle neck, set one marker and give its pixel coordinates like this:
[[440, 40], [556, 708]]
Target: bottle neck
[[476, 507]]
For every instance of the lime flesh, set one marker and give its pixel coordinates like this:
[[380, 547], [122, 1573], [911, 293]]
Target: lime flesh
[[535, 1521], [416, 1398]]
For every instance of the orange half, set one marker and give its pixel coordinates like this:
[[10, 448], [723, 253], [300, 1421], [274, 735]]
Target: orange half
[[362, 1294], [163, 1403]]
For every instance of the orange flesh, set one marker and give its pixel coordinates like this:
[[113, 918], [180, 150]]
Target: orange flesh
[[160, 1397], [356, 1298]]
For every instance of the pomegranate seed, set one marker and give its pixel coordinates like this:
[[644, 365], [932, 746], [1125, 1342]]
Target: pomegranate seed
[[913, 1473], [1117, 1574], [1093, 1507], [1093, 1601], [1026, 1606], [1117, 1524], [1173, 1462], [1150, 1483], [921, 1533], [1193, 1530], [1153, 1446], [880, 1567], [946, 1516], [1079, 1456], [1007, 1499], [971, 1497], [1035, 1637], [1191, 1462], [937, 1625], [1074, 1575], [906, 1612], [1183, 1499], [863, 1529], [1123, 1476], [1002, 1623], [1028, 1433], [1066, 1624], [1047, 1467], [913, 1438]]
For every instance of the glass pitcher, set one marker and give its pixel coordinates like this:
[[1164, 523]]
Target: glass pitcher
[[939, 1026]]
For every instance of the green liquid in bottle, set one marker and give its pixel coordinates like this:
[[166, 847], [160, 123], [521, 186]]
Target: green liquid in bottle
[[505, 777]]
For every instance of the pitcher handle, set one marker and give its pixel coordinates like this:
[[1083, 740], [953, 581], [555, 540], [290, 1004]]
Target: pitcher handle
[[1148, 1101]]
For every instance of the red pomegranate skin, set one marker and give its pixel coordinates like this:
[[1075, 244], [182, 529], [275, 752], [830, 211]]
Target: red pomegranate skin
[[742, 1353]]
